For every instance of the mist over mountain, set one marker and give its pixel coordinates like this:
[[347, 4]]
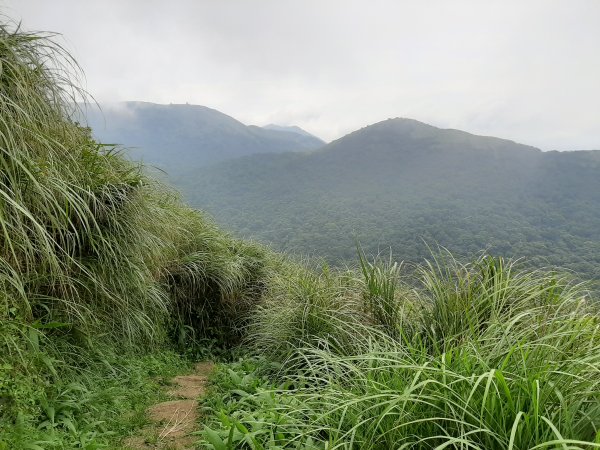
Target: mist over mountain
[[173, 137], [288, 128], [404, 184]]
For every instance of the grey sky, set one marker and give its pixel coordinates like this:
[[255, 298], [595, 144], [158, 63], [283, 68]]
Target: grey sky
[[519, 69]]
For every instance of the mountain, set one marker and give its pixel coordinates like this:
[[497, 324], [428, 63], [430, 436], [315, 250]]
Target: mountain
[[289, 129], [406, 185], [173, 137]]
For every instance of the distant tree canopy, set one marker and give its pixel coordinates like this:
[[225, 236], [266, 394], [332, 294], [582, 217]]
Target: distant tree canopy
[[406, 185]]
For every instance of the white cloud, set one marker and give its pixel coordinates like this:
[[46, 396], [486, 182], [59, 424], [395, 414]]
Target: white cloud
[[524, 70]]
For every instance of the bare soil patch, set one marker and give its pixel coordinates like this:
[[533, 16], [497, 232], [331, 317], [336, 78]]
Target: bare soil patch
[[173, 421]]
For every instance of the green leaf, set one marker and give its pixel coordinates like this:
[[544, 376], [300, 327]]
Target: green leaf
[[234, 377], [50, 325], [214, 439]]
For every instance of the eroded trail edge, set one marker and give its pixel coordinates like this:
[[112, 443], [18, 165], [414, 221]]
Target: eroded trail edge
[[173, 421]]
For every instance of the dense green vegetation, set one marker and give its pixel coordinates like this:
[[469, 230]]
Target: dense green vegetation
[[406, 185], [482, 355], [96, 260], [174, 137], [107, 282]]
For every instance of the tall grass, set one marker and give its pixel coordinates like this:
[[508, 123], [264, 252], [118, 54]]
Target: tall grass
[[304, 303], [62, 200], [94, 253], [386, 298], [88, 240], [496, 358]]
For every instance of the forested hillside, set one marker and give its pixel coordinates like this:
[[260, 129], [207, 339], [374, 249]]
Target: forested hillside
[[173, 137], [406, 185]]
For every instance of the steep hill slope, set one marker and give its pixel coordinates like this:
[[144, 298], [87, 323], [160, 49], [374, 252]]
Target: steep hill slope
[[402, 183], [172, 137]]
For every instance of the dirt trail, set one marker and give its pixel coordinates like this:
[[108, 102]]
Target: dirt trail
[[174, 420]]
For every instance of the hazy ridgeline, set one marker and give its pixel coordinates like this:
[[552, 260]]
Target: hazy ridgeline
[[176, 137], [406, 185], [104, 272], [398, 183]]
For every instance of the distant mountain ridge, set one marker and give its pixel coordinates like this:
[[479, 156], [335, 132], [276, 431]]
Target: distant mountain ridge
[[288, 128], [404, 184], [175, 136]]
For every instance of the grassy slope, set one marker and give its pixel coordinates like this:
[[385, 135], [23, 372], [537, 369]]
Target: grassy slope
[[96, 259]]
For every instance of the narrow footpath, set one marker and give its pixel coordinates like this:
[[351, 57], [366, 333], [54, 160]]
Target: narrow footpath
[[173, 421]]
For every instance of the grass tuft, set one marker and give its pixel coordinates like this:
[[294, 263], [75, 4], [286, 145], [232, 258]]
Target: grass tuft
[[495, 357]]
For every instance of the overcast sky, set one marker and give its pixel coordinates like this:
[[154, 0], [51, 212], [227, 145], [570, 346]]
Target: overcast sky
[[523, 70]]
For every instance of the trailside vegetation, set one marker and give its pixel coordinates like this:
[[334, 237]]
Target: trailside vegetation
[[96, 258], [482, 355]]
